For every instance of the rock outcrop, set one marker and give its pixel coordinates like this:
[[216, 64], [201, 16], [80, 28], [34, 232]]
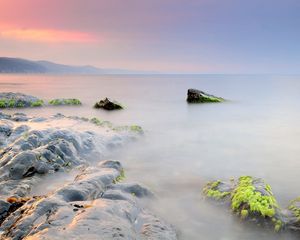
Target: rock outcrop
[[18, 100], [197, 96], [95, 204], [108, 104], [252, 200]]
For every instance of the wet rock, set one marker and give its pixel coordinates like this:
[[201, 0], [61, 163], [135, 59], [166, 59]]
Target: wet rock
[[78, 210], [135, 189], [95, 204], [32, 152], [18, 100], [5, 129], [4, 116], [108, 104], [197, 96]]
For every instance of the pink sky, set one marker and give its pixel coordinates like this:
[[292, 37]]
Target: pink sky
[[159, 35]]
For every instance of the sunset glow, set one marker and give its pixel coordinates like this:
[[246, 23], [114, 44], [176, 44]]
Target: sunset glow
[[196, 36], [46, 35]]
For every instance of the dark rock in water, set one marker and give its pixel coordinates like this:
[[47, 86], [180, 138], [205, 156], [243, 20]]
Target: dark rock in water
[[108, 104], [197, 96], [18, 100]]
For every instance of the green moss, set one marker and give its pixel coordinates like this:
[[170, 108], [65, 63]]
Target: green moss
[[206, 99], [245, 195], [55, 102], [65, 101], [211, 190], [96, 121], [295, 210], [2, 103], [37, 103], [278, 226], [244, 213], [210, 99], [11, 103], [136, 128], [120, 178]]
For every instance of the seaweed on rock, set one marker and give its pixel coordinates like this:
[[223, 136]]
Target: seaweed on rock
[[64, 101], [250, 198]]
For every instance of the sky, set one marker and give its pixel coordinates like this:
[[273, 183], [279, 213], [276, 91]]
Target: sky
[[180, 36]]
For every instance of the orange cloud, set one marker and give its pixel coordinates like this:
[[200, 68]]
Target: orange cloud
[[47, 35]]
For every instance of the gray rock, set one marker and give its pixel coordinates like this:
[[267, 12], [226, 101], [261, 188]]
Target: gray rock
[[78, 211], [95, 205]]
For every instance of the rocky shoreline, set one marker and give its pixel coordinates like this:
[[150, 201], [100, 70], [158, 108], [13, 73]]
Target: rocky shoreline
[[97, 204]]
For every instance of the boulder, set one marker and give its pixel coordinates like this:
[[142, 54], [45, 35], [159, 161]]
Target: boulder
[[252, 200], [18, 100], [197, 96], [108, 104]]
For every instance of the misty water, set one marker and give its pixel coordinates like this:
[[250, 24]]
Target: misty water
[[255, 133]]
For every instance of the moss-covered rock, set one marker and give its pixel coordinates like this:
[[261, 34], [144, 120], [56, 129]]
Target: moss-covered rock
[[197, 96], [294, 213], [65, 101], [251, 199], [217, 190], [108, 104], [18, 100]]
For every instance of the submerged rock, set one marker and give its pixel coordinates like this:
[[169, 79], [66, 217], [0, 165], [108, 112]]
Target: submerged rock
[[108, 104], [65, 101], [197, 96], [18, 100], [252, 200]]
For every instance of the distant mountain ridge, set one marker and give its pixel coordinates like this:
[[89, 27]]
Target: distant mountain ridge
[[18, 65]]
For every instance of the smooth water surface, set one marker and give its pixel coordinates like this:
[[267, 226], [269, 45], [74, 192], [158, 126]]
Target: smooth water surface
[[256, 132]]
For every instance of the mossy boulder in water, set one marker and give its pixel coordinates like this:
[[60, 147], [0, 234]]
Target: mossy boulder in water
[[108, 104], [65, 101], [251, 199], [197, 96], [18, 100]]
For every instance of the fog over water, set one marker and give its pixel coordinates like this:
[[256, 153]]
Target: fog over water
[[255, 133]]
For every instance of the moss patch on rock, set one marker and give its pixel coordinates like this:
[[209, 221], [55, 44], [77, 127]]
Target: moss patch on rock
[[212, 190], [65, 101], [102, 123], [247, 196], [120, 178]]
